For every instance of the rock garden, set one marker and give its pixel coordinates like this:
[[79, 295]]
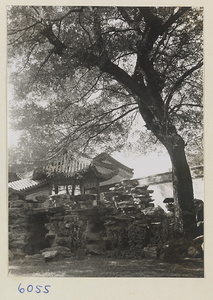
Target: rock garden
[[124, 224]]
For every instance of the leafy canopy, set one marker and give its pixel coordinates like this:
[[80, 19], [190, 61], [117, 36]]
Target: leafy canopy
[[80, 75]]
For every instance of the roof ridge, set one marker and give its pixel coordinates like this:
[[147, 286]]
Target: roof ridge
[[105, 155]]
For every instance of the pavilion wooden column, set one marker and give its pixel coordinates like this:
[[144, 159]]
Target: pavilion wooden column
[[98, 190]]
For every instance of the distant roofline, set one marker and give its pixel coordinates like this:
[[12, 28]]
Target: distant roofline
[[105, 155]]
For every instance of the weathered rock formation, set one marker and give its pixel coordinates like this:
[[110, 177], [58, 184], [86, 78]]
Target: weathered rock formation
[[124, 224]]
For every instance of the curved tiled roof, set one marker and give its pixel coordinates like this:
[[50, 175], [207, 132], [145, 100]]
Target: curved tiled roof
[[65, 165], [23, 184]]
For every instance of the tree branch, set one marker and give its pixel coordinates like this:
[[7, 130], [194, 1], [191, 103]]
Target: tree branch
[[43, 63], [98, 118], [82, 97], [67, 14], [142, 95], [109, 124], [87, 32], [173, 18], [87, 129], [179, 82], [178, 106], [53, 39], [29, 54], [125, 15], [129, 20], [35, 9], [14, 31]]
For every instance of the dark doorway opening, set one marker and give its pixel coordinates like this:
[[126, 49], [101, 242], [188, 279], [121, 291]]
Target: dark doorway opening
[[37, 231]]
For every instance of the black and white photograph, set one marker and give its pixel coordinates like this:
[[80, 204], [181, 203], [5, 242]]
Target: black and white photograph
[[105, 142]]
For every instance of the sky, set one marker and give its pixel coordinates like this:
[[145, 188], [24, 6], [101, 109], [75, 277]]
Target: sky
[[145, 165]]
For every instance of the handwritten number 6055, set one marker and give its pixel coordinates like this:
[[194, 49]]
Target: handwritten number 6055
[[38, 289]]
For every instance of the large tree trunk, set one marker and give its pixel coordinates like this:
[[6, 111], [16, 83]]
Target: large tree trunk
[[185, 217]]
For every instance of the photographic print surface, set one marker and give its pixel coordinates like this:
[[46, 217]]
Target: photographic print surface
[[105, 141]]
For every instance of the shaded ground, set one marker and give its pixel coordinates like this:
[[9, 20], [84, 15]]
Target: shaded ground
[[106, 267]]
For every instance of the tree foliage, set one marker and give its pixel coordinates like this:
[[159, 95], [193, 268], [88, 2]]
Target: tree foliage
[[95, 68], [59, 53]]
